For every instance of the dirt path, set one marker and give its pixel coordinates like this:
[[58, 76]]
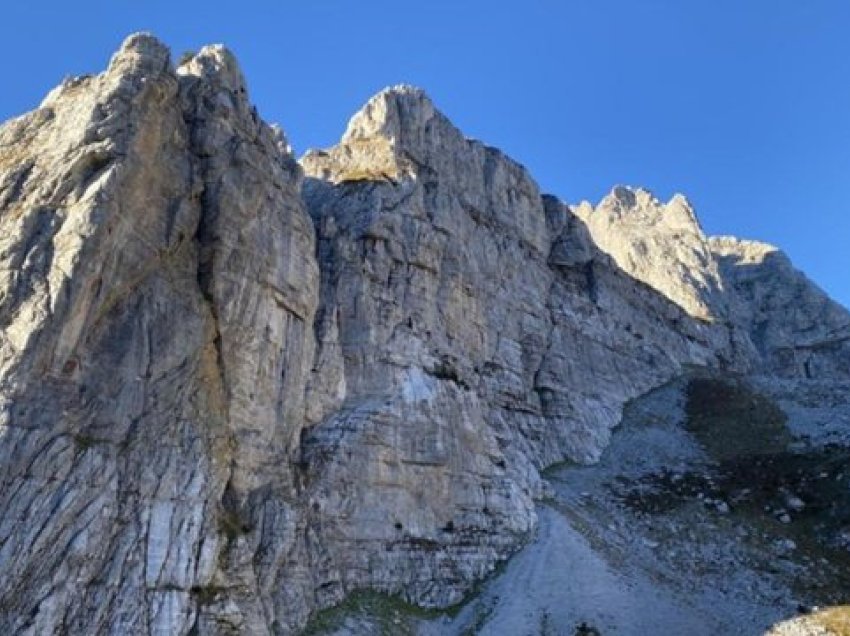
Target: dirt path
[[560, 583], [618, 554]]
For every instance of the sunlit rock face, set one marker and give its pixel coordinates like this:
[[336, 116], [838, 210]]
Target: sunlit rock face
[[660, 244], [234, 388], [157, 298]]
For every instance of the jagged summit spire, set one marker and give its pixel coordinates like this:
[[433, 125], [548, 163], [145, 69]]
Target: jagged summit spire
[[392, 112], [661, 244], [216, 64], [142, 52], [141, 55], [627, 195], [397, 132], [400, 132], [632, 196], [642, 207]]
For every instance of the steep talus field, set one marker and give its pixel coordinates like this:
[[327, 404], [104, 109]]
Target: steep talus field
[[237, 389]]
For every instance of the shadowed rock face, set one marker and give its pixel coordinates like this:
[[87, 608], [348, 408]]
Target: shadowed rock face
[[797, 330], [227, 400]]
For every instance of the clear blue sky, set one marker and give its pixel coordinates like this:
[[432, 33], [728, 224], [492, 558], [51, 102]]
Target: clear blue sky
[[743, 105]]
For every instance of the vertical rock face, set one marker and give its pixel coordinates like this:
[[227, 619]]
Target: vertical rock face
[[158, 291], [229, 398], [796, 329], [112, 405], [257, 272], [470, 333]]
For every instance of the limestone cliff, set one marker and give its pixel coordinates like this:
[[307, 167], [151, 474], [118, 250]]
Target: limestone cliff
[[233, 388]]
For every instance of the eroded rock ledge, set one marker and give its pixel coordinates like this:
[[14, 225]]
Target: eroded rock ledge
[[232, 393]]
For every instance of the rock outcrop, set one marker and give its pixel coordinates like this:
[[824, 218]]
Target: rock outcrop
[[660, 244], [158, 291], [232, 393], [775, 319], [796, 329]]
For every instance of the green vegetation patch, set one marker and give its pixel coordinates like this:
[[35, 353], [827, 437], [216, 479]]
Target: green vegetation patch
[[389, 615]]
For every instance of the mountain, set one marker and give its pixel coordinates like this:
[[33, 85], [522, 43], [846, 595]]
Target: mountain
[[236, 388]]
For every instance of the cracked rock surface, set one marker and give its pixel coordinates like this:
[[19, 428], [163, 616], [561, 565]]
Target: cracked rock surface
[[236, 388]]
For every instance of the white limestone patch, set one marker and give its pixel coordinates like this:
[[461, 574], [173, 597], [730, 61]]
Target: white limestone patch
[[417, 386]]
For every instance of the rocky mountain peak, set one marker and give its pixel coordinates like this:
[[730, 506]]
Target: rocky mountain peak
[[140, 53], [398, 113], [400, 136], [397, 133], [217, 65], [660, 244], [230, 397], [141, 58], [626, 197], [640, 207]]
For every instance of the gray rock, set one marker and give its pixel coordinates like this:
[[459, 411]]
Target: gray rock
[[660, 244], [796, 329], [232, 393], [794, 502], [155, 343], [784, 546]]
